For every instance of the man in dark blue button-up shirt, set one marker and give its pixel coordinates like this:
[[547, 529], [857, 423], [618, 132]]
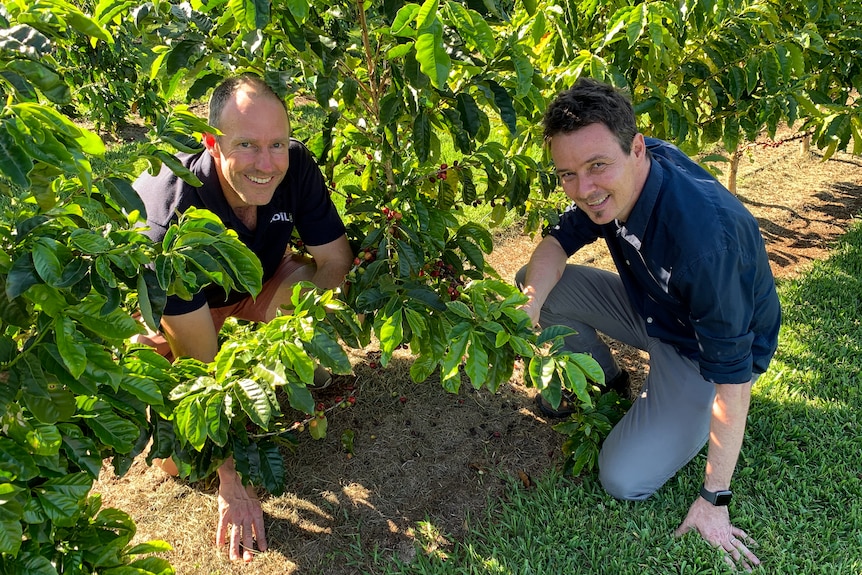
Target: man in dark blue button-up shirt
[[694, 289]]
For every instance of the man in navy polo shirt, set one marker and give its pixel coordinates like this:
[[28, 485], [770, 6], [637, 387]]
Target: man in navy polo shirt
[[261, 184], [694, 289]]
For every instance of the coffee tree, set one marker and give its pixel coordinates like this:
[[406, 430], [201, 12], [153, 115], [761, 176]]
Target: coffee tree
[[75, 393], [713, 72], [71, 395], [428, 108]]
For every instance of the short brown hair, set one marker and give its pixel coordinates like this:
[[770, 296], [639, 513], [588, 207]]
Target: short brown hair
[[591, 102]]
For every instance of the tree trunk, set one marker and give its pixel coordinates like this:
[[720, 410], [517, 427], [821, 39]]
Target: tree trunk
[[734, 168]]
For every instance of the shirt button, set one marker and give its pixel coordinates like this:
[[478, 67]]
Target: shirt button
[[649, 320], [628, 263]]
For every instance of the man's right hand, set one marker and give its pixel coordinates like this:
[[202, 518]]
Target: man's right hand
[[543, 272], [533, 310], [240, 514]]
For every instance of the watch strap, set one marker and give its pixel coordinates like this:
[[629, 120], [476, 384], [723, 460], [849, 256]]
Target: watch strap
[[717, 498]]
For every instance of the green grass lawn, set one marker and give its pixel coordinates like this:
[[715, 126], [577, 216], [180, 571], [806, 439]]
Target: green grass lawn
[[798, 484]]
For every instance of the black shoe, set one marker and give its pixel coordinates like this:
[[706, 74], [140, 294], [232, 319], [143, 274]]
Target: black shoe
[[322, 378], [621, 384], [565, 408]]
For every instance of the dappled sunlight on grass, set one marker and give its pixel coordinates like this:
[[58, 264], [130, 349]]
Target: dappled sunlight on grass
[[821, 338]]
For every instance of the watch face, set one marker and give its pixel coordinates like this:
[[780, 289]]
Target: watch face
[[722, 498]]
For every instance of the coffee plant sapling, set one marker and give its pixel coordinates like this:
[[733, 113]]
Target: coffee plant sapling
[[71, 395]]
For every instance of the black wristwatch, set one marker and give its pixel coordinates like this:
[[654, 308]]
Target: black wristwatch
[[717, 498]]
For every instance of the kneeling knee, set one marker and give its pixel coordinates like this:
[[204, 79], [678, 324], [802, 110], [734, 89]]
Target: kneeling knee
[[622, 478], [626, 488]]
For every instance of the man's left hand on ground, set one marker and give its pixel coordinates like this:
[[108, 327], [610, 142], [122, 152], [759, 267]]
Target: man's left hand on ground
[[713, 524], [240, 514]]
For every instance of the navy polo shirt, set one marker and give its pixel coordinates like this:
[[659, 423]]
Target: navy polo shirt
[[301, 200], [694, 265]]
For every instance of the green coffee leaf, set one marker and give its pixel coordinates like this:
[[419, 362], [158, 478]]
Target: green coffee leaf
[[553, 332], [17, 163], [16, 463], [422, 135], [296, 359], [427, 297], [117, 324], [46, 261], [477, 362], [541, 371], [504, 104], [427, 14], [149, 565], [329, 352], [143, 388], [254, 401], [83, 452], [472, 252], [317, 427], [118, 522], [244, 264], [123, 194], [433, 59], [299, 397], [405, 17], [459, 337], [473, 28], [576, 381], [422, 367], [416, 321], [191, 422], [61, 497], [111, 429], [155, 546], [73, 354], [588, 365], [391, 335], [45, 79], [217, 421], [11, 498], [460, 309], [11, 538], [44, 440], [22, 276], [47, 402], [271, 467]]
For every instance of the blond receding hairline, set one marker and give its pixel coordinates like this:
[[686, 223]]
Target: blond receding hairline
[[225, 91]]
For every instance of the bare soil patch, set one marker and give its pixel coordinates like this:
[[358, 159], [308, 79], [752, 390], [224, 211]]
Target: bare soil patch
[[427, 464]]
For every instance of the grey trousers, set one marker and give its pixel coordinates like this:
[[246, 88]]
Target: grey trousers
[[669, 421]]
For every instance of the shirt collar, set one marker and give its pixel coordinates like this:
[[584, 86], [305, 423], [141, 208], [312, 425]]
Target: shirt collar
[[634, 229]]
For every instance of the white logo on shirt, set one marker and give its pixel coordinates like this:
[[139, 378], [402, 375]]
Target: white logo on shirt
[[282, 217]]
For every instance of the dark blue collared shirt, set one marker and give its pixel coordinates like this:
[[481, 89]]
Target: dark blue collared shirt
[[694, 265]]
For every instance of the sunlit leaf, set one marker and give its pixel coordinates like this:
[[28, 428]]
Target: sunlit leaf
[[254, 401], [477, 362], [432, 57]]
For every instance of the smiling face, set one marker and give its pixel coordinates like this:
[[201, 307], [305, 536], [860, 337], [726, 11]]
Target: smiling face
[[595, 172], [251, 156]]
